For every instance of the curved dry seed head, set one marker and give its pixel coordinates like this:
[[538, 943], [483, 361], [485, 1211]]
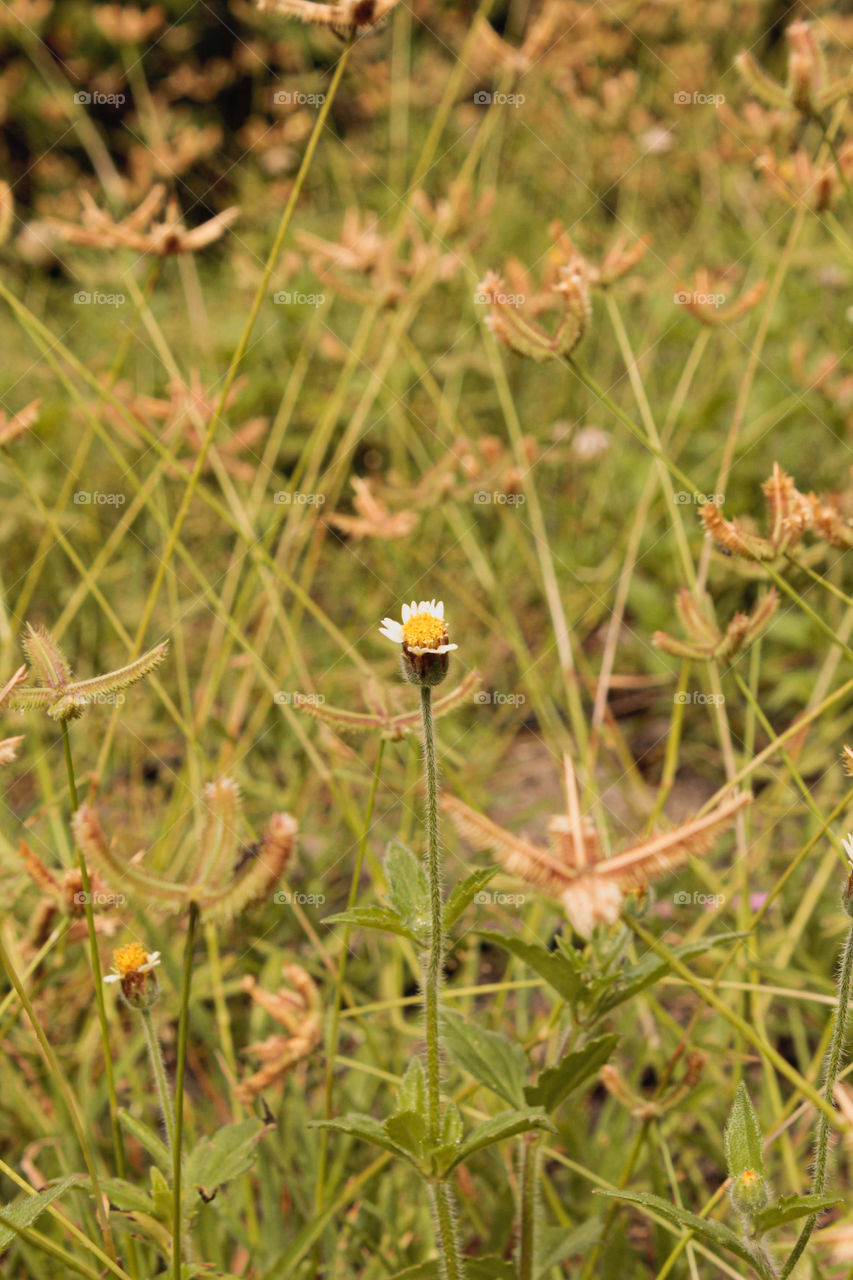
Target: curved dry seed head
[[11, 685], [64, 698], [236, 888], [830, 524], [383, 723], [847, 760], [708, 313], [705, 641], [590, 887], [514, 327], [299, 1010], [790, 514], [20, 422], [139, 231], [806, 89]]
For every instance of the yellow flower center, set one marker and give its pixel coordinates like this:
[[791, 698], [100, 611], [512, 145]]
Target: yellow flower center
[[748, 1175], [129, 959], [423, 631]]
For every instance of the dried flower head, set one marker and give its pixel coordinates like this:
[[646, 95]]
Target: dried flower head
[[706, 304], [591, 887], [139, 230], [381, 719], [511, 318], [227, 876], [298, 1009], [789, 515], [352, 17], [133, 967], [807, 89], [64, 698], [705, 641], [373, 518], [802, 179], [125, 24], [847, 760], [424, 640]]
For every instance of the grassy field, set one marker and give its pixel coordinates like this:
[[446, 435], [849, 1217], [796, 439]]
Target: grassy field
[[336, 952]]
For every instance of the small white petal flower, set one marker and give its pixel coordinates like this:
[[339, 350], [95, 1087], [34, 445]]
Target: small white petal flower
[[130, 960], [423, 629]]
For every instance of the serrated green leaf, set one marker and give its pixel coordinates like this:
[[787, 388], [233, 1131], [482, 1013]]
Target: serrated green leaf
[[486, 1055], [385, 919], [452, 1127], [364, 1127], [714, 1232], [789, 1208], [124, 1195], [464, 894], [161, 1195], [408, 1130], [231, 1151], [408, 889], [743, 1136], [556, 1083], [21, 1214], [496, 1129], [646, 972], [154, 1145], [550, 965], [413, 1088]]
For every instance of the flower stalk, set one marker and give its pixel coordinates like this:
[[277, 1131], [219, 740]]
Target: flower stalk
[[183, 1023]]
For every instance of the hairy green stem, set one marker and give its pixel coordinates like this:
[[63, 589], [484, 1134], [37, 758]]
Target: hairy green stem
[[183, 1023], [159, 1070], [527, 1216], [442, 1194], [436, 925], [833, 1066]]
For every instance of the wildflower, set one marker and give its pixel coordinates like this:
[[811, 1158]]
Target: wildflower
[[133, 967], [424, 640]]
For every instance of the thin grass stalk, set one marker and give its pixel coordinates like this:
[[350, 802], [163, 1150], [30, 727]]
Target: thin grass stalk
[[158, 1070], [180, 1073]]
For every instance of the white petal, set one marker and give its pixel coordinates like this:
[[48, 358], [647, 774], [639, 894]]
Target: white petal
[[439, 609], [392, 631], [407, 613], [112, 977]]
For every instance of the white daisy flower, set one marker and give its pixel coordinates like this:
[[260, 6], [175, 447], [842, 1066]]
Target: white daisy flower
[[130, 960], [423, 629]]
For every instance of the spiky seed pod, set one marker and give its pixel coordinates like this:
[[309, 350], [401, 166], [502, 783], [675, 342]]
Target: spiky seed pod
[[705, 642], [64, 698], [233, 890], [806, 89], [732, 537], [297, 1008], [571, 869], [790, 511], [830, 524], [517, 331]]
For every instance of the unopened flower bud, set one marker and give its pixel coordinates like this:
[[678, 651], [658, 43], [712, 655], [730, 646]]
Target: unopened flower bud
[[749, 1193]]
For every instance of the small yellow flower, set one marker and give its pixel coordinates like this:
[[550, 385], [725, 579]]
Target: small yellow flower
[[423, 638], [132, 966]]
